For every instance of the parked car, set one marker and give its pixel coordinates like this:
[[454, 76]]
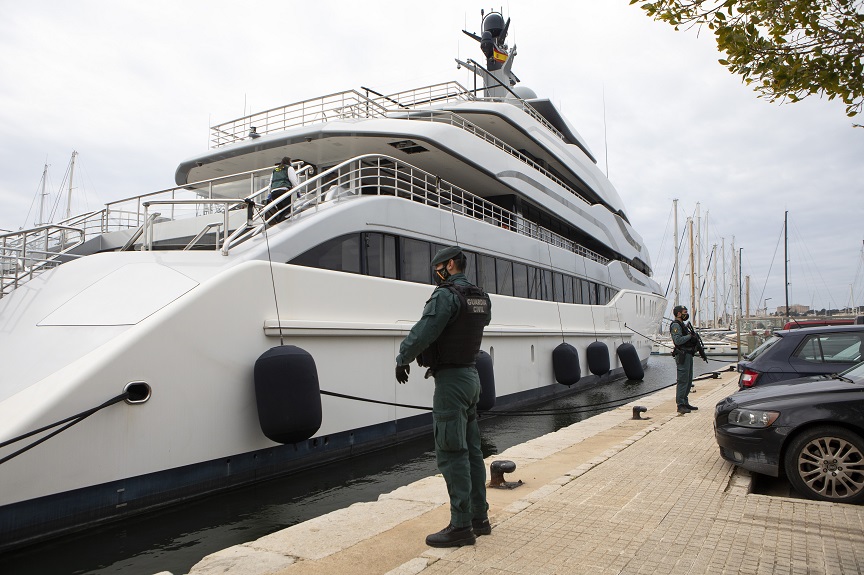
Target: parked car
[[789, 354], [811, 429]]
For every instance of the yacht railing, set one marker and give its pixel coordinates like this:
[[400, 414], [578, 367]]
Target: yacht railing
[[338, 106], [460, 122], [528, 109], [27, 253], [352, 104], [434, 94], [387, 176]]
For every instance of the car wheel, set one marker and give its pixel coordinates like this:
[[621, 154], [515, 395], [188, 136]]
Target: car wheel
[[827, 463]]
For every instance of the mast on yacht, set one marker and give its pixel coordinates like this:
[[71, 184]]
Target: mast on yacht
[[498, 78]]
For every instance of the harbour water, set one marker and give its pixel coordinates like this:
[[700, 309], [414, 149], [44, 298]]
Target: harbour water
[[177, 538]]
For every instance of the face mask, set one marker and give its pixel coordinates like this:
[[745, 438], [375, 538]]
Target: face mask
[[685, 316], [440, 276]]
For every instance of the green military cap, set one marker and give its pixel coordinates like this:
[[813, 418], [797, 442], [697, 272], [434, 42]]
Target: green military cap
[[446, 254]]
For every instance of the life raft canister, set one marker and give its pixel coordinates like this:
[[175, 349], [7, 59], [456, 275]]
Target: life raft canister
[[598, 358], [565, 364], [287, 394], [629, 358], [486, 371]]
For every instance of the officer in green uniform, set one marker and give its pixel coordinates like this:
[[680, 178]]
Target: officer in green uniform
[[447, 340], [685, 349]]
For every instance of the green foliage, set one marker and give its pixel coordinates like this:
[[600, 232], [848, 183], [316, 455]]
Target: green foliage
[[785, 49]]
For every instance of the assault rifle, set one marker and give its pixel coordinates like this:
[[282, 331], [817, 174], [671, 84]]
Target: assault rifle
[[700, 347]]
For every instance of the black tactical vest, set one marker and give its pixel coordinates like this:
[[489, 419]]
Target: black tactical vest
[[690, 346], [459, 343]]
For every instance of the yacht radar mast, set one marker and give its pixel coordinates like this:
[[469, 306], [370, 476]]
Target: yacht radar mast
[[498, 78]]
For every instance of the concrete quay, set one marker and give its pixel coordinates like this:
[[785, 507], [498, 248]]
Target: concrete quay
[[609, 495]]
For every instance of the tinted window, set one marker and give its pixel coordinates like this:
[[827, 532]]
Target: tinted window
[[558, 286], [339, 254], [380, 255], [504, 275], [471, 267], [534, 281], [415, 257], [831, 348], [546, 285], [486, 273], [520, 280], [765, 345], [568, 289]]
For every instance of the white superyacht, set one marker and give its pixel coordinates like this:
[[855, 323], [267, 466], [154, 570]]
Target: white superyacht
[[166, 305]]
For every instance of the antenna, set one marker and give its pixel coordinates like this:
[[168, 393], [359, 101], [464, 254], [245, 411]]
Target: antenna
[[605, 134]]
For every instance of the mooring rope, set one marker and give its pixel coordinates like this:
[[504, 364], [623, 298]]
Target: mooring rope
[[667, 345], [72, 420], [532, 412]]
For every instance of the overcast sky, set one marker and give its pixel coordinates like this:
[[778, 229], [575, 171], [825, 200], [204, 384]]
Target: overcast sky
[[133, 87]]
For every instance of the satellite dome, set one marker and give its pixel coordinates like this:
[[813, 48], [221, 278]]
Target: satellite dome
[[525, 92]]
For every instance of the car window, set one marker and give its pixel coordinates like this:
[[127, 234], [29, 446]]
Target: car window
[[765, 345], [848, 348], [810, 350], [831, 348]]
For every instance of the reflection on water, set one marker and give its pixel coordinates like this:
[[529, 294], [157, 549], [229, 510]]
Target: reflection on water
[[175, 539]]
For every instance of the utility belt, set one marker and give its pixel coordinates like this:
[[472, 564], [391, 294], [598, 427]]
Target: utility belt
[[679, 353], [432, 371]]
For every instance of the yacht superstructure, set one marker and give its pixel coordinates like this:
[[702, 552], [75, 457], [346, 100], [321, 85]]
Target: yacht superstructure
[[165, 302]]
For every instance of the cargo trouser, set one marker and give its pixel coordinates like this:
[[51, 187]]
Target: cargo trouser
[[457, 443], [684, 379]]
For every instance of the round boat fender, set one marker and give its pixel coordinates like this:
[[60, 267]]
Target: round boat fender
[[598, 358], [565, 364], [630, 362], [287, 394], [486, 372]]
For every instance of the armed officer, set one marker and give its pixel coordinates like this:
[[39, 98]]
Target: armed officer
[[447, 340], [687, 344]]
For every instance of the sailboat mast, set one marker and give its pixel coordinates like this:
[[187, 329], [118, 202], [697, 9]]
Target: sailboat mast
[[42, 197], [71, 175], [677, 249], [786, 258], [697, 312], [692, 274]]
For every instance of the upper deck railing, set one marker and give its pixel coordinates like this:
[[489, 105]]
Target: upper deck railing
[[376, 174], [351, 104]]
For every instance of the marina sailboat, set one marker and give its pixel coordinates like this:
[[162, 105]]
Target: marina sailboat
[[147, 328]]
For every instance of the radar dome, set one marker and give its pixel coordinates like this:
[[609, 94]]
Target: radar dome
[[525, 92], [493, 23]]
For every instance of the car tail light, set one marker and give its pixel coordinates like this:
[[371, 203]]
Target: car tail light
[[749, 377]]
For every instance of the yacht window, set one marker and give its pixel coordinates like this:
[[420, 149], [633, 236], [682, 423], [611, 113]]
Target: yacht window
[[558, 286], [587, 289], [535, 278], [568, 289], [415, 258], [546, 285], [504, 276], [470, 267], [520, 280], [380, 255], [486, 273], [339, 254]]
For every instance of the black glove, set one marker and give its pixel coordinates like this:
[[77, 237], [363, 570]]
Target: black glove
[[402, 372]]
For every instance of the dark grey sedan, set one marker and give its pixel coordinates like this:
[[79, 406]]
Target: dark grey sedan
[[795, 353], [811, 429]]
